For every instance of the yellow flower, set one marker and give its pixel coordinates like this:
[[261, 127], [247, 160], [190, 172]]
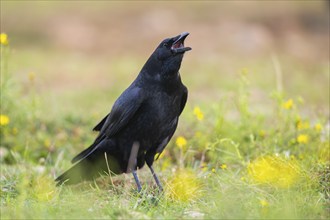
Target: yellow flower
[[264, 203], [303, 139], [262, 133], [181, 142], [318, 127], [288, 104], [31, 76], [198, 113], [274, 171], [4, 120], [223, 166], [44, 188], [183, 186], [3, 39], [301, 125], [213, 170]]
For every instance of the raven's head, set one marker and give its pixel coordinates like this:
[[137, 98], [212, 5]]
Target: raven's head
[[172, 47], [166, 59]]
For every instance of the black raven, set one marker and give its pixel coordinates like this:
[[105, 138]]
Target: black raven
[[142, 120]]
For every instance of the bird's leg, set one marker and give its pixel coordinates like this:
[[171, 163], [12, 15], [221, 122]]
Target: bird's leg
[[137, 181], [132, 162], [156, 178]]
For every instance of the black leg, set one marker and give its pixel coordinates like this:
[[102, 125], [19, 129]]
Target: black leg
[[137, 181], [156, 178]]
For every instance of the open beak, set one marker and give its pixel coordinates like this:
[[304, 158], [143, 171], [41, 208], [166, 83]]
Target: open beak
[[178, 45]]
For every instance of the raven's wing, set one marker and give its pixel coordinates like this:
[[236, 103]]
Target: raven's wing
[[183, 99], [122, 111], [99, 126]]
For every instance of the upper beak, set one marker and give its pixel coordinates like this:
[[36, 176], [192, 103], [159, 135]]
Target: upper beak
[[178, 45]]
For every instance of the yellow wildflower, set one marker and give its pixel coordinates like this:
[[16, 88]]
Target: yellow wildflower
[[318, 127], [264, 203], [303, 139], [44, 188], [223, 166], [262, 133], [288, 104], [198, 113], [181, 142], [183, 186], [213, 170], [301, 125], [4, 120], [275, 171], [3, 39], [31, 76]]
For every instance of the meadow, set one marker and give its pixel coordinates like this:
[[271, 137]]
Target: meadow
[[252, 142]]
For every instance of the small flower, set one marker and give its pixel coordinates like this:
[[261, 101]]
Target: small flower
[[275, 171], [264, 203], [213, 170], [31, 76], [223, 166], [44, 188], [3, 39], [318, 127], [181, 142], [262, 133], [4, 120], [303, 139], [288, 104], [198, 113], [301, 125], [183, 186]]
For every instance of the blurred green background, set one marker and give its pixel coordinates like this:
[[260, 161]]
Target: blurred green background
[[78, 48]]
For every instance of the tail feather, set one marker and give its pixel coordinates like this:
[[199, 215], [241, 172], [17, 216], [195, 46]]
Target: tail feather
[[90, 168], [74, 175]]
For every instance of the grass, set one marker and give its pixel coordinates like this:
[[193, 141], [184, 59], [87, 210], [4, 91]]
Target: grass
[[257, 148]]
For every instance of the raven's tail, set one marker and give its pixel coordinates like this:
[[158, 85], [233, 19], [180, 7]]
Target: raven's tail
[[89, 168], [79, 172]]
